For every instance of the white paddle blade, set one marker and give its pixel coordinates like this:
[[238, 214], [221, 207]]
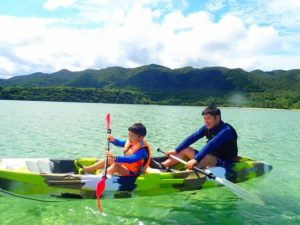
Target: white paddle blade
[[242, 193]]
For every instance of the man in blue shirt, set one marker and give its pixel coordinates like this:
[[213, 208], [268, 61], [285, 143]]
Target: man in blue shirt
[[220, 150]]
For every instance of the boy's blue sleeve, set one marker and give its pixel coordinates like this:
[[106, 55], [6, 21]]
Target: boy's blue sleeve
[[118, 142], [222, 137], [191, 139], [140, 154]]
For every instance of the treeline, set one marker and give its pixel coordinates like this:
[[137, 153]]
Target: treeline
[[65, 94], [283, 99], [279, 100]]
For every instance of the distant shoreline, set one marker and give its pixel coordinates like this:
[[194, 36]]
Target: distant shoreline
[[154, 104], [234, 107]]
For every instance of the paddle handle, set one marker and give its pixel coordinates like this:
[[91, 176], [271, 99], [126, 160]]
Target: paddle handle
[[210, 175], [106, 160], [108, 131], [108, 142]]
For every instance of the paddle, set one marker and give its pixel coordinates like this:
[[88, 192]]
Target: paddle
[[101, 184], [233, 187]]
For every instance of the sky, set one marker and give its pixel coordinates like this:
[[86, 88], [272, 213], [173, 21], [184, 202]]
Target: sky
[[50, 35]]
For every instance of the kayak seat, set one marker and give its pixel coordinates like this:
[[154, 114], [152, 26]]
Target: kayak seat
[[63, 166], [45, 167], [32, 166], [40, 166]]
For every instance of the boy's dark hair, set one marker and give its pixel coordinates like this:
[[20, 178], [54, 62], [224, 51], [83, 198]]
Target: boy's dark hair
[[139, 129], [212, 110]]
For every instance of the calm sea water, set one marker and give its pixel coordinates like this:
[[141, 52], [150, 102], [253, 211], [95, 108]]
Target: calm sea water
[[73, 130]]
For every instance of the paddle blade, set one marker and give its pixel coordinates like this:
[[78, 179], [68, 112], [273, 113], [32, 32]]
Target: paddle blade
[[99, 190], [100, 187], [242, 193], [108, 121]]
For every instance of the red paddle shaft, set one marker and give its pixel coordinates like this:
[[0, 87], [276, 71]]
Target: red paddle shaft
[[101, 184]]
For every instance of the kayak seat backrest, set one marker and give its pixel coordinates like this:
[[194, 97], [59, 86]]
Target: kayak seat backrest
[[63, 166], [40, 166], [32, 166], [45, 166]]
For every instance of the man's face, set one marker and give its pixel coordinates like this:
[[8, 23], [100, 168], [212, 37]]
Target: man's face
[[211, 121]]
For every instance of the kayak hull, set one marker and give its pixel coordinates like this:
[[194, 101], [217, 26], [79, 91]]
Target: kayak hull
[[60, 178]]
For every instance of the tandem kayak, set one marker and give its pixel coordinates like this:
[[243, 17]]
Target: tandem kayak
[[60, 178]]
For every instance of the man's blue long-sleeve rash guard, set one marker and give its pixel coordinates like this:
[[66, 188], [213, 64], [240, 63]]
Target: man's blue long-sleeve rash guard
[[225, 134]]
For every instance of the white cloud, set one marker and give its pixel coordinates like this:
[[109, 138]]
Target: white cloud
[[214, 5], [6, 66], [282, 14], [284, 6], [260, 40], [280, 61], [54, 4], [130, 35]]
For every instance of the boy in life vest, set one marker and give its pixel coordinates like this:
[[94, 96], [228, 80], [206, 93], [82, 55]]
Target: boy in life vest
[[136, 158]]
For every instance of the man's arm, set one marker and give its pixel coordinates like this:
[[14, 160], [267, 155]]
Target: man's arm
[[191, 139], [222, 137]]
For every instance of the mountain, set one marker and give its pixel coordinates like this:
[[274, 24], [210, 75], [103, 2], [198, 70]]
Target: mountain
[[160, 84], [39, 79]]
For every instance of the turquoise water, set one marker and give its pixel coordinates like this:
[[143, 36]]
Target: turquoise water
[[73, 130]]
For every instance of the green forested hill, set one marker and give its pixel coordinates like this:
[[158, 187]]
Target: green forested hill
[[161, 85]]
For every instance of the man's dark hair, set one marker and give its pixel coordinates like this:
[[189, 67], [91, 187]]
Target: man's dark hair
[[139, 129], [212, 110]]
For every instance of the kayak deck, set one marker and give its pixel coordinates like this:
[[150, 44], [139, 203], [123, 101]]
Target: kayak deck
[[59, 177]]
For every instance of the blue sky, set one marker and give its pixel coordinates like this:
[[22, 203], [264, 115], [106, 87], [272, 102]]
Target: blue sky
[[46, 36]]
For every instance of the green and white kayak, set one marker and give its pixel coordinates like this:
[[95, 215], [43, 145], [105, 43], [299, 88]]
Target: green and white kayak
[[59, 177]]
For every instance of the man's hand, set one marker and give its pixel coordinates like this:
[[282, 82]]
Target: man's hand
[[110, 155], [191, 163], [110, 138], [170, 152]]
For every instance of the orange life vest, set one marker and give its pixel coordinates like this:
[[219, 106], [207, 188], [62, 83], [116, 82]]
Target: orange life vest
[[141, 165]]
